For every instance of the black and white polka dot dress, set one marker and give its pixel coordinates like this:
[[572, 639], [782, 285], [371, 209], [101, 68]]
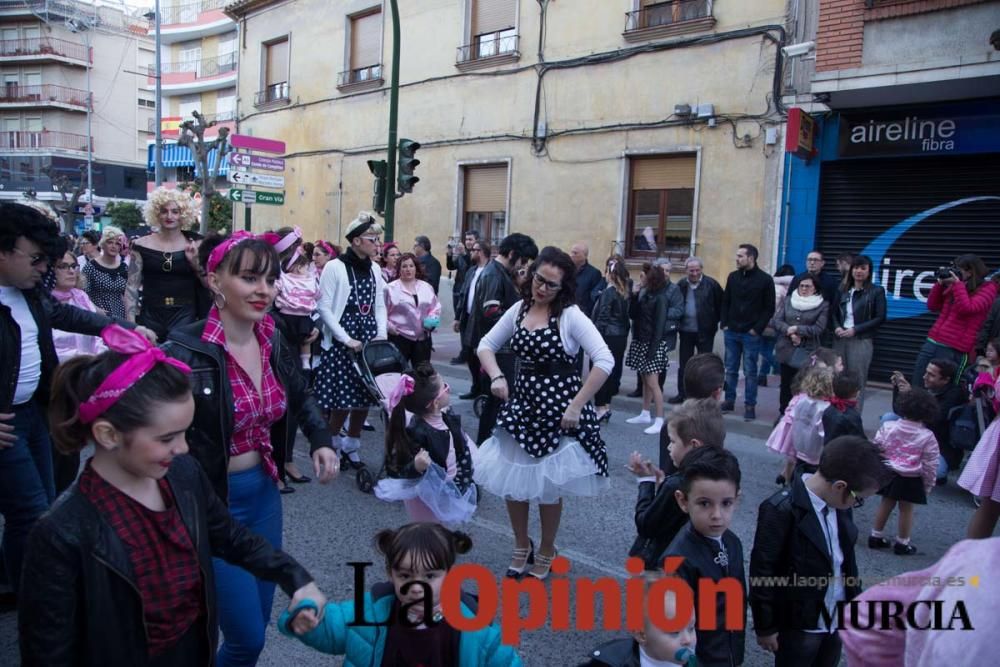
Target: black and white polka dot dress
[[337, 383], [639, 358], [106, 287], [530, 456]]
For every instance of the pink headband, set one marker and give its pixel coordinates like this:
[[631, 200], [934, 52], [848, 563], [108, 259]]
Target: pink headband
[[142, 357], [288, 239], [327, 247], [220, 251], [403, 388]]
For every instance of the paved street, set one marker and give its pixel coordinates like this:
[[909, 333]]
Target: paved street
[[327, 526]]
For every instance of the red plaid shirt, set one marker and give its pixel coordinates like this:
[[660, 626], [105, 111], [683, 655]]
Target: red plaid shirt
[[253, 413], [163, 558]]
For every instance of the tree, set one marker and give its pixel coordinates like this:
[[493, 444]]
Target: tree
[[70, 195], [125, 215], [220, 209], [192, 135]]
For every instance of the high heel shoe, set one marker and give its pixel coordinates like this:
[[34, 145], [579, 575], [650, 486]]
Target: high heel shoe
[[298, 479], [545, 563], [529, 559], [605, 417]]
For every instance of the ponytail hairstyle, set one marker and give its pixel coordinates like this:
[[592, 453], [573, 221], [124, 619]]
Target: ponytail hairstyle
[[617, 274], [75, 380], [430, 546], [415, 393]]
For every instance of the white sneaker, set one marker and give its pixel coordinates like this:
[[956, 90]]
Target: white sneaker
[[641, 418], [656, 427]]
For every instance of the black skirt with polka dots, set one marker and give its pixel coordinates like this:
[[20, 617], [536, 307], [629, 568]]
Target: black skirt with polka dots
[[639, 358], [106, 287], [541, 395]]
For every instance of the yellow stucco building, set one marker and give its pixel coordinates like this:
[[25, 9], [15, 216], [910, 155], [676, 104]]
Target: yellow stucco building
[[645, 128]]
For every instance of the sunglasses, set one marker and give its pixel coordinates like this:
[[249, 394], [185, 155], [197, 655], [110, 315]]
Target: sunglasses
[[34, 259], [858, 500], [373, 239], [550, 285]]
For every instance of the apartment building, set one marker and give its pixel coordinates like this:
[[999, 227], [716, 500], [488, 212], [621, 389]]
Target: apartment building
[[199, 64], [54, 55], [646, 128], [900, 158]]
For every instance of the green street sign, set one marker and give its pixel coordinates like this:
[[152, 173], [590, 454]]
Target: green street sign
[[256, 197]]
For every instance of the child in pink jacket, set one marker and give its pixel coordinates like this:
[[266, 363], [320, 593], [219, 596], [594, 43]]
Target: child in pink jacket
[[911, 451]]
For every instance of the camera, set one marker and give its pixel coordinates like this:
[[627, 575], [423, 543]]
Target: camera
[[945, 272]]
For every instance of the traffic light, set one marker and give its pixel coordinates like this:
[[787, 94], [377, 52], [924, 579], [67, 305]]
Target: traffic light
[[407, 163], [379, 169]]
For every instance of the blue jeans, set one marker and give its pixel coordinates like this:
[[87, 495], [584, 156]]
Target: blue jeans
[[931, 350], [743, 347], [767, 362], [27, 487], [244, 602]]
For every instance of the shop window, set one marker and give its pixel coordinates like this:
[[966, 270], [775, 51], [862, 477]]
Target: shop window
[[485, 201], [660, 206]]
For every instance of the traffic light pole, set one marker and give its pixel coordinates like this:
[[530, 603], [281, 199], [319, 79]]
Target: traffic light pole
[[390, 190]]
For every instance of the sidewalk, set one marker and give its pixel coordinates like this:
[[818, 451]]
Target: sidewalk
[[878, 400]]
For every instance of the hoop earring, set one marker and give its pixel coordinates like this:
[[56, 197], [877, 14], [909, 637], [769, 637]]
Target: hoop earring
[[215, 300]]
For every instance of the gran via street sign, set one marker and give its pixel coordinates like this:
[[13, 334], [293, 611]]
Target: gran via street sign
[[256, 197]]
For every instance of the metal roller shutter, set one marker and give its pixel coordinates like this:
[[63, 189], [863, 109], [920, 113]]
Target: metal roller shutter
[[861, 200], [493, 16], [366, 40], [663, 173], [486, 188]]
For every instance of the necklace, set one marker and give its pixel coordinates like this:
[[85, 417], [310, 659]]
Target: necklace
[[363, 308]]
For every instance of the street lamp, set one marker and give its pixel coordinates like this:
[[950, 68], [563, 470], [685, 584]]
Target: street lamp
[[158, 143], [77, 26]]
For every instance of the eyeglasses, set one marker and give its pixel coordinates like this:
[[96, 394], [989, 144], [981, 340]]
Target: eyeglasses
[[550, 285], [67, 267], [475, 249], [373, 239], [814, 259], [35, 259], [858, 500], [445, 388]]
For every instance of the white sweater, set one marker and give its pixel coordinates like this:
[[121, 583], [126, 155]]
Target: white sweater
[[334, 289], [575, 329]]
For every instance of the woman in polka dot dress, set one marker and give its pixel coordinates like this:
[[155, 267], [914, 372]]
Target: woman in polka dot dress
[[107, 275], [547, 443], [352, 307]]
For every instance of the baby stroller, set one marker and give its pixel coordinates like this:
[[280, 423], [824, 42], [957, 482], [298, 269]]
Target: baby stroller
[[379, 365]]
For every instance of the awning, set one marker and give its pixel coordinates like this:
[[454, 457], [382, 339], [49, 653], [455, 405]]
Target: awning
[[175, 155]]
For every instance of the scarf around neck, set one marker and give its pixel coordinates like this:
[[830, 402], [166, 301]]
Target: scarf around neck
[[352, 259], [801, 303]]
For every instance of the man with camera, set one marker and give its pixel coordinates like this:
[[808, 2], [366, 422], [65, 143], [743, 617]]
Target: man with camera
[[459, 259], [962, 296]]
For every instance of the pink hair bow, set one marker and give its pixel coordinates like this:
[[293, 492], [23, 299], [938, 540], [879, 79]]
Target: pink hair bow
[[221, 250], [403, 388], [142, 354], [288, 239]]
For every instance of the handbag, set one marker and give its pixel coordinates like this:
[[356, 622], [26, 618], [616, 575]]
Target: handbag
[[795, 356]]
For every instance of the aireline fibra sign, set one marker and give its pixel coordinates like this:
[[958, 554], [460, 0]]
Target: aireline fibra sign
[[879, 134]]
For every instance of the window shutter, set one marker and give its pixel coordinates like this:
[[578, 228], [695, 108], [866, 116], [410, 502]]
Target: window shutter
[[663, 173], [366, 38], [492, 16], [486, 188], [277, 62]]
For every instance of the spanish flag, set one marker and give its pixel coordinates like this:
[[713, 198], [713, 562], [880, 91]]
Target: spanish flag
[[170, 125]]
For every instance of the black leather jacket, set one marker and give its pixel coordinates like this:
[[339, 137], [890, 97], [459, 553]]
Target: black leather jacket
[[212, 429], [719, 647], [869, 310], [707, 301], [657, 315], [658, 519], [615, 653], [79, 604], [49, 314], [790, 542], [495, 293], [611, 313], [437, 443]]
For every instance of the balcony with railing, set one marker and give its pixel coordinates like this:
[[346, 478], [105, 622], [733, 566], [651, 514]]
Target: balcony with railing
[[495, 48], [191, 20], [41, 140], [190, 76], [361, 77], [670, 17], [274, 94], [45, 95], [43, 49]]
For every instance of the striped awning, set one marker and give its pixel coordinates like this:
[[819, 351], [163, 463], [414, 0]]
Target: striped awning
[[175, 155]]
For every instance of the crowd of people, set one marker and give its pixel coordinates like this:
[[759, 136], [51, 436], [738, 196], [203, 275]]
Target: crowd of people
[[188, 365]]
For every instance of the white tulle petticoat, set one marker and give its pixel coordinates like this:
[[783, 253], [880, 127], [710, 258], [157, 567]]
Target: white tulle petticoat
[[504, 469], [439, 494]]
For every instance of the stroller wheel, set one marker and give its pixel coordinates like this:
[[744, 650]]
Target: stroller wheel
[[478, 405], [345, 463], [365, 480]]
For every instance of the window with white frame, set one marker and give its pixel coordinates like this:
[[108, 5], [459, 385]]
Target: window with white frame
[[365, 56], [485, 201], [492, 30]]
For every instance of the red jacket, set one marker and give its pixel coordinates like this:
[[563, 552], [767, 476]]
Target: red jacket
[[962, 314]]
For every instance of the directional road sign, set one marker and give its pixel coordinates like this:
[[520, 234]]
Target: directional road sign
[[251, 197], [256, 143], [262, 180], [245, 161]]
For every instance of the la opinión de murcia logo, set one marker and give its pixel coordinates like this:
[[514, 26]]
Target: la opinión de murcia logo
[[641, 600], [933, 135]]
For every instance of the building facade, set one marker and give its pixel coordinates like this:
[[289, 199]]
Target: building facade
[[905, 162], [645, 128], [199, 64], [49, 51]]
